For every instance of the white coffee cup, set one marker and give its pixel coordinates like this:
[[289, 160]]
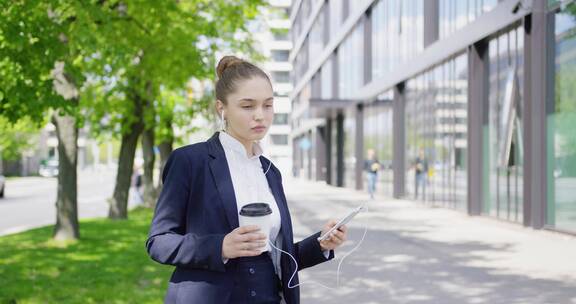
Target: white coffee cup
[[258, 214]]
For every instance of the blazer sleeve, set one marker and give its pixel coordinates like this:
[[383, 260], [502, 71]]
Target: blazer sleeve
[[168, 243], [308, 251]]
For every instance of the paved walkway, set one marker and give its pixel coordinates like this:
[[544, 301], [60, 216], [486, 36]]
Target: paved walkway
[[418, 254]]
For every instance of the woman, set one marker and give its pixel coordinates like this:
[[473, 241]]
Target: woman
[[196, 222]]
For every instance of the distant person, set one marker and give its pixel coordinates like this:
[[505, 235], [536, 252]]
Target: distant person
[[421, 173], [136, 185], [371, 166], [196, 222]]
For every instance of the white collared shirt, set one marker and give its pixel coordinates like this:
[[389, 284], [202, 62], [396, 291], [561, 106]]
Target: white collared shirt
[[250, 183]]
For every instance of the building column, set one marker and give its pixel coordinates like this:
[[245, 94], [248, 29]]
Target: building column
[[340, 149], [295, 159], [367, 46], [329, 147], [309, 154], [359, 147], [431, 21], [326, 29], [345, 11], [478, 65], [338, 125], [538, 65], [399, 141], [320, 144]]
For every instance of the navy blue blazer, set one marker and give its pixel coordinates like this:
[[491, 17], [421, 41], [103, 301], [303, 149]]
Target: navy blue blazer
[[196, 209]]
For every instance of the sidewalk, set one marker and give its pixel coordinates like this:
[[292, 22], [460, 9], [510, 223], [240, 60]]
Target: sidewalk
[[418, 254]]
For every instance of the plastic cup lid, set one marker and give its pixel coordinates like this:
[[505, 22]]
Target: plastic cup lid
[[256, 209]]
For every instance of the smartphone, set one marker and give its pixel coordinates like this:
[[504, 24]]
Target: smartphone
[[342, 222]]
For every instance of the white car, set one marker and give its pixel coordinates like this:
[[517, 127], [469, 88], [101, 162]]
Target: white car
[[2, 185], [49, 168]]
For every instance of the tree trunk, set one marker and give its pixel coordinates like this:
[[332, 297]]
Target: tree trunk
[[150, 195], [67, 227], [119, 200], [165, 148]]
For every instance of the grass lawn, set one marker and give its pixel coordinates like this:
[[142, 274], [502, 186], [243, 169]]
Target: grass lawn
[[108, 265]]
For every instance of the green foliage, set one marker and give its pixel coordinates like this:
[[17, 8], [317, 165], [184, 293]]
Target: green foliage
[[154, 48], [113, 51], [15, 138], [571, 9], [110, 265], [565, 109], [29, 47]]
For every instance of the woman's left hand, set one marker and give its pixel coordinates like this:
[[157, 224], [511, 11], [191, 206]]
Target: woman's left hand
[[336, 238]]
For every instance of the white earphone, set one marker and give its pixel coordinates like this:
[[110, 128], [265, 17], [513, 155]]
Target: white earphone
[[222, 121]]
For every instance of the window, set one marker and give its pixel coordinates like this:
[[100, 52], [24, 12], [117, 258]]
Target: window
[[454, 15], [280, 36], [326, 79], [397, 34], [351, 63], [281, 119], [279, 139], [335, 7], [316, 43], [436, 133], [281, 76], [504, 184], [561, 212], [280, 55]]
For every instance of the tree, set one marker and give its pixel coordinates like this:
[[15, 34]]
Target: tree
[[37, 74], [166, 44]]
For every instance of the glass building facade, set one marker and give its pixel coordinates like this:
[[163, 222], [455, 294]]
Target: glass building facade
[[504, 187], [561, 123], [456, 14], [436, 131], [350, 63], [468, 87], [397, 34], [378, 137]]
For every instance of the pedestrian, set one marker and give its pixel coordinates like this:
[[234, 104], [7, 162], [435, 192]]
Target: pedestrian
[[136, 186], [196, 222], [371, 166], [421, 173]]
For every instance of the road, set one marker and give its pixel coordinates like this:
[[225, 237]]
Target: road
[[29, 201]]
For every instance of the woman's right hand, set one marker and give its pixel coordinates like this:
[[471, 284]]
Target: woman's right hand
[[243, 242]]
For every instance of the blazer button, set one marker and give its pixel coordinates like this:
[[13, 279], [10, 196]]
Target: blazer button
[[252, 271], [253, 293]]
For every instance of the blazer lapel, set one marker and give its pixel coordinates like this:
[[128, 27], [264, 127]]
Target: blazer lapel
[[221, 174], [274, 183]]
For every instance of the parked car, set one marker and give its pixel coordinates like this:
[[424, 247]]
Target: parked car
[[2, 185], [49, 168]]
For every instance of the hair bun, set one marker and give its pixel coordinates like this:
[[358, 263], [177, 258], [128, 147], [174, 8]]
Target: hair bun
[[226, 62]]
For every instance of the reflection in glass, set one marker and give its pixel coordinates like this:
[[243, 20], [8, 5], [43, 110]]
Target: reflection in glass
[[456, 14], [351, 63], [436, 134], [350, 148], [502, 151], [326, 79], [397, 34], [378, 137], [317, 35], [562, 126]]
